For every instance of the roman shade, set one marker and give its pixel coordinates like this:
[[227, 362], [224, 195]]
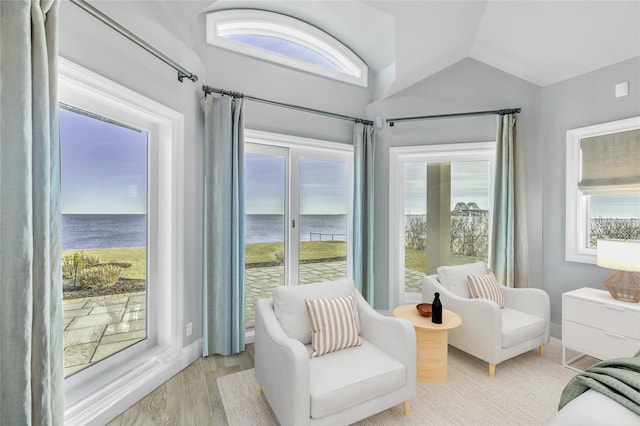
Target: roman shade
[[610, 162]]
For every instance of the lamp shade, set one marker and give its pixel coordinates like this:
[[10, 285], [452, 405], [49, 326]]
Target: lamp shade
[[619, 255]]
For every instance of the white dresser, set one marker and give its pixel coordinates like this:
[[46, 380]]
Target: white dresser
[[596, 324]]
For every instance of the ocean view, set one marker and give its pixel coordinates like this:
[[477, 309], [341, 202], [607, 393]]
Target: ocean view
[[263, 228], [90, 231], [94, 231]]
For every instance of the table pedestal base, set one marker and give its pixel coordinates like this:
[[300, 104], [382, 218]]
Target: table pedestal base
[[432, 349]]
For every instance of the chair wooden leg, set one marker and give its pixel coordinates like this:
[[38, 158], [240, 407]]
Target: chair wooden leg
[[259, 390], [492, 370], [541, 349], [407, 408]]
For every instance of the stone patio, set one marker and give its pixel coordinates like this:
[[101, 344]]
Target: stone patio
[[261, 281], [95, 328]]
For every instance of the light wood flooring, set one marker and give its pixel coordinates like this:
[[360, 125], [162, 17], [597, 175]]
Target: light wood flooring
[[189, 398]]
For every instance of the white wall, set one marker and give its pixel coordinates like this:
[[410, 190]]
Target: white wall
[[582, 101], [466, 86]]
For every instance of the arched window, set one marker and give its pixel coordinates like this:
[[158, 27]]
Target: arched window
[[287, 41]]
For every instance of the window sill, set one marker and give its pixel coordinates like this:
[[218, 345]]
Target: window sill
[[153, 368]]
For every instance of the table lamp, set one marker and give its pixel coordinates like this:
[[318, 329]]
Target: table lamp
[[624, 257]]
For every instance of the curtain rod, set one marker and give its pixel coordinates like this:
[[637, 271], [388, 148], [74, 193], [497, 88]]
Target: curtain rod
[[208, 90], [392, 121], [182, 72]]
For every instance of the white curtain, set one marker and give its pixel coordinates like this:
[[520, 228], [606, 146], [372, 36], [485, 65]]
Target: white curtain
[[363, 209], [31, 348], [509, 255], [224, 261]]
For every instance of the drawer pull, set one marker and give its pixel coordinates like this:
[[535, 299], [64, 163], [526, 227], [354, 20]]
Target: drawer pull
[[619, 336], [615, 308]]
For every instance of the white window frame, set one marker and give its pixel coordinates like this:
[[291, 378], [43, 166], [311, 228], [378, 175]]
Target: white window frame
[[105, 389], [303, 147], [398, 158], [223, 23], [577, 210]]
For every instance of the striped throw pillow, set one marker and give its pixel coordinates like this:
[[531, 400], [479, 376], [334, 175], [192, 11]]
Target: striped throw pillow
[[485, 287], [333, 324]]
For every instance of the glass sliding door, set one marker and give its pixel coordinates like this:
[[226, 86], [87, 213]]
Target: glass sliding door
[[265, 231], [323, 193], [298, 213]]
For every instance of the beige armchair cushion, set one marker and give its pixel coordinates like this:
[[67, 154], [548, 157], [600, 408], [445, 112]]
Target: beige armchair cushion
[[333, 324], [485, 287]]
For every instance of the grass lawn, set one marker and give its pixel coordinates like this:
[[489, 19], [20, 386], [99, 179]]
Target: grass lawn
[[258, 253], [264, 253], [416, 259], [136, 256]]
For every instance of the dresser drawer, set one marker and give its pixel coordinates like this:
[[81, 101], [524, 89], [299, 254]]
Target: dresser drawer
[[598, 343], [608, 317]]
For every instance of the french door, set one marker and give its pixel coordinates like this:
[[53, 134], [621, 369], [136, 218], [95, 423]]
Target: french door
[[440, 211], [298, 197]]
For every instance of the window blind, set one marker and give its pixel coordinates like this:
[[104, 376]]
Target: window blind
[[610, 163]]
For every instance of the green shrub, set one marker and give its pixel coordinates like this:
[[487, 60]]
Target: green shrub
[[603, 228], [99, 276], [73, 264], [279, 255]]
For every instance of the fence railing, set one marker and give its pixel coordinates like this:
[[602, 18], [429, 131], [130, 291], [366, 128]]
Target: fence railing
[[320, 235]]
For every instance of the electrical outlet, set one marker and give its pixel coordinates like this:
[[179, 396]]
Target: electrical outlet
[[189, 329]]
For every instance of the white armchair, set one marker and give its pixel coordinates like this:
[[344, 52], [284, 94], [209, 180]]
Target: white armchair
[[340, 387], [489, 332]]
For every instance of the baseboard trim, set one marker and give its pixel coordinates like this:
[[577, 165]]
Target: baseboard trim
[[112, 400], [556, 331]]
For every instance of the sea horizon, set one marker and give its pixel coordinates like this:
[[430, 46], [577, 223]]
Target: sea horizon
[[122, 230]]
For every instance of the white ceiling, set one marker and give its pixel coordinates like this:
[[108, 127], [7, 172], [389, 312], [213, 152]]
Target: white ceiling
[[403, 42]]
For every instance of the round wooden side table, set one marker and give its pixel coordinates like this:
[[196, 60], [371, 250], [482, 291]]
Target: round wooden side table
[[431, 342]]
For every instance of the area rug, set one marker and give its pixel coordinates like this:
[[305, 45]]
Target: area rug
[[525, 391]]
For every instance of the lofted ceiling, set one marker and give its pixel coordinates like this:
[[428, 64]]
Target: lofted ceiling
[[403, 42]]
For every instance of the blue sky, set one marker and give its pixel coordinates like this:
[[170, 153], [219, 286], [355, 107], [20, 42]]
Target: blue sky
[[104, 167], [624, 206], [323, 185], [285, 48]]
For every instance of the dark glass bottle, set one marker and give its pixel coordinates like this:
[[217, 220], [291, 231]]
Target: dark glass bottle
[[436, 310]]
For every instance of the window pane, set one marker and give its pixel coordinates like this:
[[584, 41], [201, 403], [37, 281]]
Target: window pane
[[264, 228], [446, 217], [415, 226], [613, 216], [470, 212], [323, 220], [285, 48], [104, 238]]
